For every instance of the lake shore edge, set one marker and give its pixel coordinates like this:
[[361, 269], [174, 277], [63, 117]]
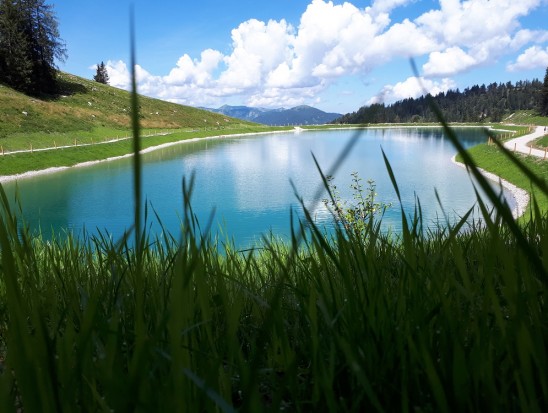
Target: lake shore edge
[[520, 196], [54, 169]]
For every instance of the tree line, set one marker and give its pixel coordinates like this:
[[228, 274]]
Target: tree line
[[29, 46], [474, 104]]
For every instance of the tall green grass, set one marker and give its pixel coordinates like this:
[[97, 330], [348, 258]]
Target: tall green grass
[[454, 320], [445, 319]]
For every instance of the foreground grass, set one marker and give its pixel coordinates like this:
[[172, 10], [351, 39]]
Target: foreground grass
[[447, 321]]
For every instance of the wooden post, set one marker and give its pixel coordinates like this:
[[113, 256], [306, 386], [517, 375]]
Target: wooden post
[[545, 152], [530, 147], [74, 142], [514, 147]]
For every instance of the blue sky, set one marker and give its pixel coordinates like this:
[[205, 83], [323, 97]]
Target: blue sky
[[333, 55]]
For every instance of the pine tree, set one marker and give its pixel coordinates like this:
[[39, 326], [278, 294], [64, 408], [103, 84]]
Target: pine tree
[[544, 93], [15, 62], [30, 45], [101, 75]]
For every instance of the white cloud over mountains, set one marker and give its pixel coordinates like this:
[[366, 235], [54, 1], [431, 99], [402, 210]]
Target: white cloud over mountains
[[412, 87], [276, 64]]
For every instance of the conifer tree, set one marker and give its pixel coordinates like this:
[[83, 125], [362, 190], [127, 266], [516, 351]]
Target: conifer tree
[[101, 75], [29, 45], [544, 93], [15, 62]]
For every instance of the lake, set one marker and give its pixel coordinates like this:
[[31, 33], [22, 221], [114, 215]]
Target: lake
[[247, 181]]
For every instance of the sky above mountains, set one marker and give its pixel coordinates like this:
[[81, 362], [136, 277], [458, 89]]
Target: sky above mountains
[[333, 55]]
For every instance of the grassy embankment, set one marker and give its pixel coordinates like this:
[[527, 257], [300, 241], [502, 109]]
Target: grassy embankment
[[527, 117], [490, 158], [542, 142], [89, 113]]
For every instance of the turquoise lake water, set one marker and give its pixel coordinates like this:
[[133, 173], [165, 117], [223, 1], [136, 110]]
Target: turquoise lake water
[[247, 181]]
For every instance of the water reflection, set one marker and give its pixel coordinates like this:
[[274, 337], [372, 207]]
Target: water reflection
[[247, 180]]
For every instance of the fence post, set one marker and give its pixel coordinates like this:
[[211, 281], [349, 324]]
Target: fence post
[[514, 147]]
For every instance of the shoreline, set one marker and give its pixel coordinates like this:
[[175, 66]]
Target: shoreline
[[521, 196], [296, 129], [54, 169]]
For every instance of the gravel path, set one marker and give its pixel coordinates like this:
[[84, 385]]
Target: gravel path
[[520, 144]]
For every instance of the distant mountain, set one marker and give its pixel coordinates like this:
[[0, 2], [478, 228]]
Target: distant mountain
[[239, 112], [299, 115]]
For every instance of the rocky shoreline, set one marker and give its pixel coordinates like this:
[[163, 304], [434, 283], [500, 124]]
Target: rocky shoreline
[[521, 196]]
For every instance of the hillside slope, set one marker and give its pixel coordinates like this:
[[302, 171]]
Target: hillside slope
[[86, 108]]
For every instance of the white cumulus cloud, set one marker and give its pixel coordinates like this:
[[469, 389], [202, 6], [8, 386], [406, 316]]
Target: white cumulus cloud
[[273, 63], [386, 6], [534, 57], [197, 72], [451, 61], [412, 87], [258, 49]]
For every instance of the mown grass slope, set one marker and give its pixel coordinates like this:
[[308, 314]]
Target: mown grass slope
[[86, 110], [527, 117]]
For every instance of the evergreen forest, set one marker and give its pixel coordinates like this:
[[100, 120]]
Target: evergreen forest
[[494, 103]]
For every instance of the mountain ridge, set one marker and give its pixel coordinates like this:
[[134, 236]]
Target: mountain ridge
[[298, 115]]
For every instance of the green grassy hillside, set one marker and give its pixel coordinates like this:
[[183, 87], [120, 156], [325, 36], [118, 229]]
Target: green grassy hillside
[[526, 117], [86, 110]]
